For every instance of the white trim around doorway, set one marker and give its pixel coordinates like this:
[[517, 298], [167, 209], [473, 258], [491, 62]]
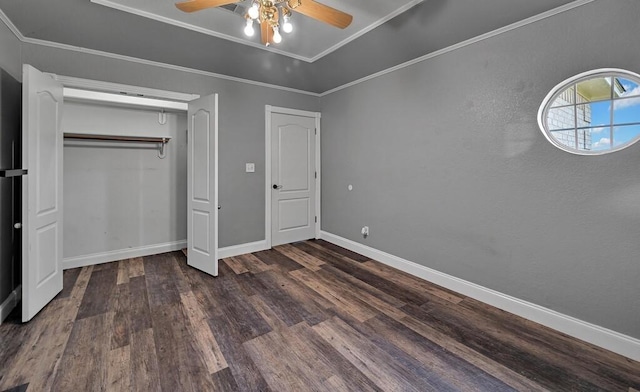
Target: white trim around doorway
[[267, 168]]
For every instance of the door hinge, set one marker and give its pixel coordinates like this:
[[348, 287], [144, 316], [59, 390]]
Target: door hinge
[[315, 175], [315, 130], [316, 219]]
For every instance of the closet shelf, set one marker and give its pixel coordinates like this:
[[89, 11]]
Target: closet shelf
[[118, 138]]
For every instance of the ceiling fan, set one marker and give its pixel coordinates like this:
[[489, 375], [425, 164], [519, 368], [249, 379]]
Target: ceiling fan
[[268, 12]]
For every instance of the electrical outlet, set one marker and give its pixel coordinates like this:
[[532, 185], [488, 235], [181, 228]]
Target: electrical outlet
[[365, 231], [250, 167]]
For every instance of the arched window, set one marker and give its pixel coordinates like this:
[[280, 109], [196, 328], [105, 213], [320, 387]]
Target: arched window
[[593, 113]]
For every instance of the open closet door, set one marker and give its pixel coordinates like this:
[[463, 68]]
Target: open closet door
[[41, 191], [202, 184]]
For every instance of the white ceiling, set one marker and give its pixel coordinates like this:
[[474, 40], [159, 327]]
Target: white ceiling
[[310, 40]]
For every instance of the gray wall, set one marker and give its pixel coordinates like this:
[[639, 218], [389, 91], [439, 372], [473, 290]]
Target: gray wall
[[241, 123], [450, 169], [121, 195], [10, 52]]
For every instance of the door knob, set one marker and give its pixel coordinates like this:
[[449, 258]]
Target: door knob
[[17, 225], [277, 186]]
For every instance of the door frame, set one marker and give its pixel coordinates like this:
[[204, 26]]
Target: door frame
[[135, 96], [269, 110]]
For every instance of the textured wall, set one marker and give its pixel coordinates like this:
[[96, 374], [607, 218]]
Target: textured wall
[[450, 169], [241, 124], [10, 52], [121, 195]]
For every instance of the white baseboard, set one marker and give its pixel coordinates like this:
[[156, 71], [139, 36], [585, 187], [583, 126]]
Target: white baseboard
[[236, 250], [10, 303], [591, 333], [121, 254]]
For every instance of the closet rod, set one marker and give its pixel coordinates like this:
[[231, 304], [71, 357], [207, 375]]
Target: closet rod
[[118, 138]]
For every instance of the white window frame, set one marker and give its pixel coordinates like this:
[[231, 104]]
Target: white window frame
[[561, 87]]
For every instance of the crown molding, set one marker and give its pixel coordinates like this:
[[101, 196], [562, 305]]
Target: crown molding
[[460, 45], [5, 19], [189, 26], [491, 34], [35, 41]]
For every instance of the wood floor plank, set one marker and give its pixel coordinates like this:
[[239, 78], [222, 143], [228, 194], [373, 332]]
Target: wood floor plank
[[145, 375], [172, 344], [301, 317], [69, 278], [360, 272], [123, 272], [100, 290], [83, 367], [274, 258], [589, 356], [411, 282], [505, 347], [140, 316], [119, 369], [236, 265], [243, 370], [224, 381], [121, 320], [38, 357], [341, 298], [298, 359], [372, 361], [338, 249], [306, 260], [246, 263], [179, 279], [372, 296], [275, 322], [19, 388], [444, 369], [286, 299], [502, 372], [161, 286], [206, 344], [136, 267]]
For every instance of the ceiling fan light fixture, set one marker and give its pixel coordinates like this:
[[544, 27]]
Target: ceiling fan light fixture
[[277, 38], [248, 30], [287, 27], [254, 11]]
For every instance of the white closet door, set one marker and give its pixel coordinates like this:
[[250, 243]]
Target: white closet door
[[41, 191], [202, 184]]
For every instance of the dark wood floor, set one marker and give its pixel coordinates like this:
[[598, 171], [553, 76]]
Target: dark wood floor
[[303, 317]]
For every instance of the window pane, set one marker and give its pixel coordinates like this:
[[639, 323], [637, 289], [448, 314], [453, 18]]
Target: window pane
[[596, 89], [594, 114], [626, 88], [566, 138], [561, 118], [565, 98], [625, 134], [596, 138], [626, 110]]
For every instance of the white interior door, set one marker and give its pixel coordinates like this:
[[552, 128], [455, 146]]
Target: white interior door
[[202, 185], [293, 178], [42, 142]]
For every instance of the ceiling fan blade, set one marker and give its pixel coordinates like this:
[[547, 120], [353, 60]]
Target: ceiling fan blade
[[266, 33], [321, 12], [197, 5]]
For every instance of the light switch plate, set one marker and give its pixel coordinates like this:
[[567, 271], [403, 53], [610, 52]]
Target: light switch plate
[[251, 167]]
